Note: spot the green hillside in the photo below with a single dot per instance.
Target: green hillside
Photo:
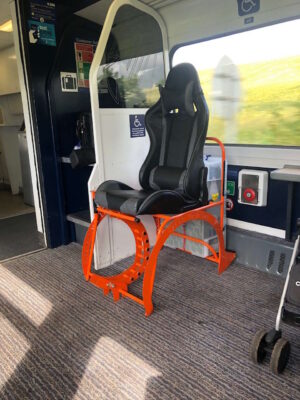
(270, 108)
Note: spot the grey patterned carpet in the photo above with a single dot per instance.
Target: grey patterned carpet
(60, 338)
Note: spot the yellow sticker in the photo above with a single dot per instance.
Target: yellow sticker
(215, 196)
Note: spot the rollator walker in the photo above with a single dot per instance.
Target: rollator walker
(174, 189)
(289, 312)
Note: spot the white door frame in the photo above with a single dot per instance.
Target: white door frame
(23, 79)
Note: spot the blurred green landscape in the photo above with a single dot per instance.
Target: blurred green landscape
(269, 111)
(270, 107)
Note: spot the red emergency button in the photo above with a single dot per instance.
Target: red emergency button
(249, 194)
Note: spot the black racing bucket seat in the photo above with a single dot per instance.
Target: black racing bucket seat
(173, 175)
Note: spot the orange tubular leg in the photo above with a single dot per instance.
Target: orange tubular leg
(117, 284)
(224, 258)
(88, 246)
(145, 263)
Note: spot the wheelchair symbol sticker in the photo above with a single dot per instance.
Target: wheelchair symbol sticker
(248, 7)
(137, 122)
(137, 125)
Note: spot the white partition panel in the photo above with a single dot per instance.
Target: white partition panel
(122, 157)
(118, 155)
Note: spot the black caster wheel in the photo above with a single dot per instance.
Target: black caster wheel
(280, 355)
(257, 351)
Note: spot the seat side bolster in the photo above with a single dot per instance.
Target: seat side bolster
(101, 192)
(113, 185)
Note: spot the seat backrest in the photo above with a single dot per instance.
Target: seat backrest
(177, 126)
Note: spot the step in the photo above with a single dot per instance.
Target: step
(80, 221)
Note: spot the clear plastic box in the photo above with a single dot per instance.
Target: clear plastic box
(200, 229)
(197, 229)
(214, 166)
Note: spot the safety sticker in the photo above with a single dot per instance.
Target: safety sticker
(84, 54)
(68, 81)
(229, 205)
(137, 125)
(230, 188)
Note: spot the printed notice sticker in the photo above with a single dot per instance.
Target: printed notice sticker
(137, 125)
(84, 54)
(69, 81)
(42, 11)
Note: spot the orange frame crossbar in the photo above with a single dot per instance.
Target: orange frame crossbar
(146, 260)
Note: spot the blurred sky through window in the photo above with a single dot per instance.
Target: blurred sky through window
(262, 44)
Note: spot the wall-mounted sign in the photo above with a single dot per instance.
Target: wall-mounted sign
(41, 26)
(84, 54)
(137, 125)
(41, 33)
(230, 188)
(246, 7)
(68, 81)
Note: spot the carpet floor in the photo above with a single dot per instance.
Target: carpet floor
(60, 338)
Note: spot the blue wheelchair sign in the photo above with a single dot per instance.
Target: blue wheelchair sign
(137, 125)
(248, 7)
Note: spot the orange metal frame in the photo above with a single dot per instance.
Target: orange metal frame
(145, 259)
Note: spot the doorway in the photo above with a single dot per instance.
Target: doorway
(18, 228)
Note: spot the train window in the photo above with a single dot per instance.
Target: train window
(133, 65)
(251, 81)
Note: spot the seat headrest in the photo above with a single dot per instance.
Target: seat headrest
(173, 99)
(182, 89)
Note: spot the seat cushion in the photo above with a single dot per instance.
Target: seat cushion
(120, 197)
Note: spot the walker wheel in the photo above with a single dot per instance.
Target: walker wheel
(280, 355)
(257, 351)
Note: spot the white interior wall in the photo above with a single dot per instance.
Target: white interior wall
(9, 81)
(12, 112)
(192, 20)
(10, 145)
